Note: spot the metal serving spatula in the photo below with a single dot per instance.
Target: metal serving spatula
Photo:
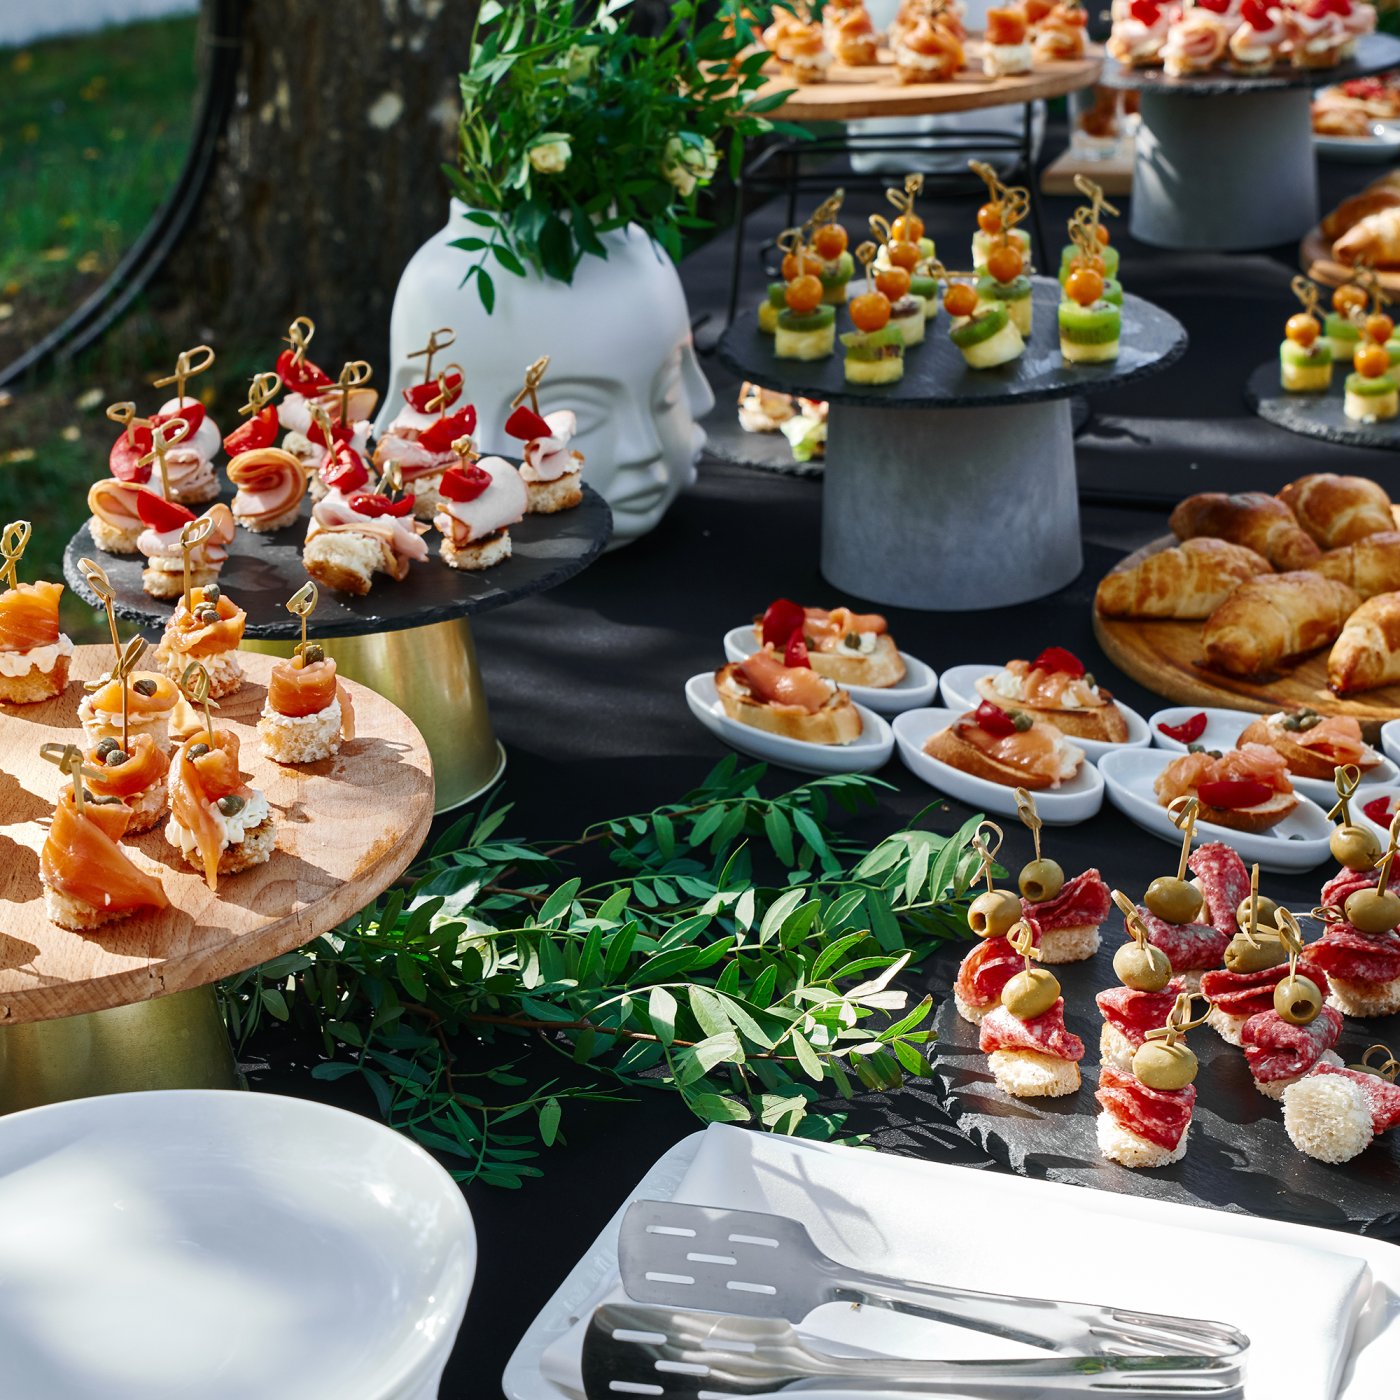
(739, 1261)
(667, 1354)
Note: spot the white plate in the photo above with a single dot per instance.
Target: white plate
(1375, 1354)
(1382, 144)
(959, 688)
(1298, 842)
(869, 752)
(1071, 802)
(917, 688)
(1390, 740)
(1222, 731)
(225, 1245)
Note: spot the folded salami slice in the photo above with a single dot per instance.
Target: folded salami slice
(1353, 956)
(1277, 1049)
(1189, 947)
(1249, 993)
(1135, 1013)
(1347, 882)
(1160, 1116)
(1083, 902)
(1224, 884)
(988, 967)
(1382, 1097)
(1045, 1034)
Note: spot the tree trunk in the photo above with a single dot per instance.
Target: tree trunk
(327, 176)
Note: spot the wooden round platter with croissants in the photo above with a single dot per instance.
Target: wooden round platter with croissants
(1265, 603)
(1365, 227)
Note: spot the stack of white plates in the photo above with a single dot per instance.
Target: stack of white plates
(229, 1246)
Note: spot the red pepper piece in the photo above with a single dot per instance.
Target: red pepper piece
(345, 472)
(1234, 793)
(258, 432)
(1059, 661)
(304, 378)
(796, 653)
(1188, 731)
(464, 483)
(994, 719)
(161, 515)
(192, 413)
(340, 434)
(1145, 11)
(375, 504)
(442, 434)
(781, 620)
(419, 396)
(526, 425)
(1379, 810)
(124, 458)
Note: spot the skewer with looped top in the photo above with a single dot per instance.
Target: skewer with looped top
(1013, 202)
(1030, 817)
(826, 212)
(97, 580)
(438, 340)
(1307, 293)
(1298, 1000)
(301, 605)
(534, 377)
(1368, 279)
(13, 543)
(1250, 930)
(1182, 812)
(320, 415)
(1178, 1020)
(986, 851)
(791, 241)
(1133, 921)
(164, 436)
(465, 448)
(1387, 1069)
(354, 374)
(123, 668)
(902, 200)
(391, 478)
(194, 681)
(191, 537)
(126, 415)
(69, 760)
(1093, 192)
(262, 389)
(186, 367)
(299, 335)
(1022, 940)
(443, 397)
(1346, 779)
(866, 253)
(1387, 859)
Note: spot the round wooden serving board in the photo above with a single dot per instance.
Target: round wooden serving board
(1163, 656)
(346, 828)
(852, 94)
(1315, 258)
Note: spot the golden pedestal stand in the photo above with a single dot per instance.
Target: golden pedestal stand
(131, 1005)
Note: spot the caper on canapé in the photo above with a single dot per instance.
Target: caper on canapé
(232, 805)
(993, 913)
(145, 686)
(1142, 966)
(1354, 847)
(1166, 1067)
(105, 746)
(196, 750)
(1030, 993)
(313, 654)
(1373, 911)
(1298, 1000)
(1172, 900)
(115, 757)
(1041, 879)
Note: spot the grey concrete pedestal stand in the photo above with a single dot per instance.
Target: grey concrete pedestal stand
(954, 490)
(1226, 161)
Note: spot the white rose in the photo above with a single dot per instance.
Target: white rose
(687, 164)
(579, 62)
(551, 156)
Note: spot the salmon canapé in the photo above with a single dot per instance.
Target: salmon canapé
(29, 616)
(145, 765)
(772, 683)
(82, 861)
(204, 774)
(193, 634)
(298, 688)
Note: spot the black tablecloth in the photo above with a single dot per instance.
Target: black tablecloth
(586, 690)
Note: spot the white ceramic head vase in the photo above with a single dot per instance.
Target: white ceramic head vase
(621, 356)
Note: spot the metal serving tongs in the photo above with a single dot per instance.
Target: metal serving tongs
(676, 1257)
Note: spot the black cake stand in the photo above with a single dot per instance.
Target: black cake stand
(1316, 415)
(1226, 161)
(965, 498)
(410, 641)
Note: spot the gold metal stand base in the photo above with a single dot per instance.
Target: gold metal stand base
(431, 674)
(173, 1042)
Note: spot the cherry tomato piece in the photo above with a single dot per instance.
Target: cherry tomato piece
(994, 719)
(1234, 793)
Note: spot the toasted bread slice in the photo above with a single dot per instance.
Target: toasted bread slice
(1252, 819)
(835, 723)
(1302, 762)
(1104, 723)
(956, 752)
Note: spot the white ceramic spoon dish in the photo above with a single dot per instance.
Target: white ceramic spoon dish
(1222, 731)
(958, 686)
(1071, 802)
(1298, 842)
(918, 687)
(865, 754)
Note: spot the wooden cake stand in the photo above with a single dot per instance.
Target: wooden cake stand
(1165, 657)
(1226, 161)
(131, 1005)
(954, 490)
(410, 641)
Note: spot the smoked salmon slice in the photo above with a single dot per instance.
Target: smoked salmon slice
(29, 616)
(146, 767)
(297, 689)
(81, 859)
(199, 782)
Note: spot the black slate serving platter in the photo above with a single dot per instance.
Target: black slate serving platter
(263, 571)
(1239, 1156)
(936, 375)
(1316, 415)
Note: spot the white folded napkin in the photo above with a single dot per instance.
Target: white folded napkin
(906, 1218)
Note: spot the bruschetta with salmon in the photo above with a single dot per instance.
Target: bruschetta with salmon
(1313, 746)
(783, 694)
(848, 647)
(1246, 789)
(1007, 747)
(150, 701)
(1057, 687)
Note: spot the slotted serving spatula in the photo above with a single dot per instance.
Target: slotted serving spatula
(766, 1266)
(669, 1354)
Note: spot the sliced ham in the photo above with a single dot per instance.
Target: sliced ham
(1135, 1013)
(1083, 901)
(1277, 1049)
(1159, 1116)
(1045, 1034)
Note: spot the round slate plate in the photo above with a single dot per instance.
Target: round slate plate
(1239, 1156)
(263, 571)
(1374, 53)
(1315, 415)
(936, 375)
(765, 452)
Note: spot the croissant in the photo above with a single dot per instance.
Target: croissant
(1351, 211)
(1369, 566)
(1252, 518)
(1338, 510)
(1367, 654)
(1374, 239)
(1274, 617)
(1191, 580)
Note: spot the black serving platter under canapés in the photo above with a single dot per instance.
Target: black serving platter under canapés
(1317, 415)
